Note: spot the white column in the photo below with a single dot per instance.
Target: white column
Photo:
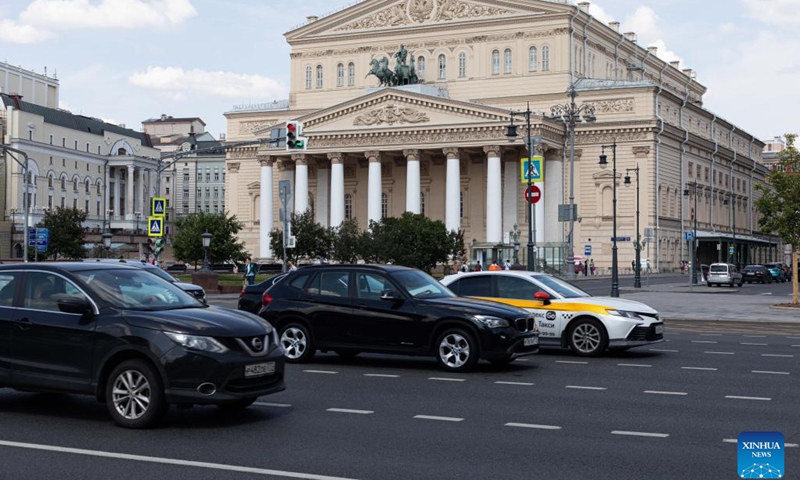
(554, 176)
(337, 189)
(130, 194)
(511, 197)
(265, 206)
(117, 189)
(494, 195)
(452, 209)
(106, 192)
(300, 183)
(141, 194)
(412, 181)
(374, 188)
(538, 211)
(323, 194)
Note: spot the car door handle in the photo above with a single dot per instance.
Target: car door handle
(23, 323)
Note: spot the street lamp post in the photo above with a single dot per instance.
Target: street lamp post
(732, 257)
(530, 145)
(614, 259)
(138, 215)
(25, 205)
(637, 275)
(107, 236)
(206, 243)
(571, 114)
(693, 186)
(514, 234)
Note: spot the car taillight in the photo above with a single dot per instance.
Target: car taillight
(242, 292)
(265, 299)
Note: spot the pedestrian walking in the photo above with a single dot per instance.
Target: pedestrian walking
(506, 265)
(249, 274)
(591, 266)
(290, 266)
(586, 268)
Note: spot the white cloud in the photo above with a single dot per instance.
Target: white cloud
(665, 54)
(777, 12)
(728, 28)
(64, 105)
(13, 32)
(599, 14)
(644, 21)
(178, 83)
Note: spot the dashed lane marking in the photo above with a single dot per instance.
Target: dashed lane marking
(707, 369)
(710, 334)
(524, 384)
(381, 375)
(633, 365)
(793, 338)
(533, 425)
(446, 379)
(347, 410)
(663, 350)
(656, 392)
(776, 355)
(327, 372)
(704, 341)
(754, 336)
(769, 373)
(170, 461)
(671, 333)
(572, 362)
(754, 344)
(737, 397)
(720, 353)
(640, 434)
(276, 405)
(579, 387)
(441, 419)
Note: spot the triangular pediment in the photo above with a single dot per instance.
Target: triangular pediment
(383, 15)
(391, 109)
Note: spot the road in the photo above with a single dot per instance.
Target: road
(661, 412)
(601, 286)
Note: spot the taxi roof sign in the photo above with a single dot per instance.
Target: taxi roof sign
(158, 207)
(155, 227)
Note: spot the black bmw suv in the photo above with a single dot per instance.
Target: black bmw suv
(391, 309)
(131, 339)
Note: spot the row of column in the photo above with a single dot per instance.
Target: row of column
(137, 191)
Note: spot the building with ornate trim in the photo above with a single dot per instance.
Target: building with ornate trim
(440, 147)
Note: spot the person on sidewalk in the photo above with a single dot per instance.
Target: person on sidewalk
(249, 272)
(494, 266)
(591, 266)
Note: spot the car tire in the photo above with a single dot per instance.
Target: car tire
(457, 351)
(238, 404)
(149, 403)
(298, 346)
(587, 338)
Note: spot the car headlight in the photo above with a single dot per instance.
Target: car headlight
(491, 322)
(194, 342)
(624, 313)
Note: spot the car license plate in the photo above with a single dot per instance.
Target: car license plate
(530, 341)
(259, 369)
(659, 329)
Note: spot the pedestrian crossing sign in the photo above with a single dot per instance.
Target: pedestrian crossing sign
(158, 207)
(155, 226)
(531, 170)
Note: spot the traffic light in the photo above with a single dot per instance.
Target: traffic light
(159, 247)
(295, 141)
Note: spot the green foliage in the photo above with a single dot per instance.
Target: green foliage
(66, 233)
(345, 242)
(312, 240)
(188, 244)
(780, 202)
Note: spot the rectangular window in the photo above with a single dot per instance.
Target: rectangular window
(86, 206)
(76, 144)
(87, 147)
(216, 176)
(199, 176)
(185, 177)
(51, 139)
(97, 211)
(51, 161)
(208, 177)
(75, 203)
(216, 192)
(185, 193)
(167, 188)
(64, 142)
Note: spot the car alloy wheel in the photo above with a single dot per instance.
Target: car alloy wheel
(134, 395)
(297, 344)
(587, 338)
(456, 351)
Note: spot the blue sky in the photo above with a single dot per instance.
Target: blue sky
(129, 60)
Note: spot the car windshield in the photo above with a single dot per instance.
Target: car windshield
(135, 289)
(752, 267)
(421, 285)
(560, 287)
(161, 274)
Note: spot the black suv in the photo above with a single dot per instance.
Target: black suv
(131, 339)
(391, 309)
(756, 273)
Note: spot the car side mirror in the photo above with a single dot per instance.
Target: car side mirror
(390, 295)
(543, 296)
(75, 304)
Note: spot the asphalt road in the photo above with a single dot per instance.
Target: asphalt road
(661, 412)
(601, 286)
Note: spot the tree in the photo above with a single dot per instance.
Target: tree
(780, 204)
(413, 240)
(345, 242)
(66, 232)
(312, 240)
(187, 244)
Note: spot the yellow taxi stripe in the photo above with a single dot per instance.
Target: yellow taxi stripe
(555, 305)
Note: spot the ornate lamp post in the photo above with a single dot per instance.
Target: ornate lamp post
(693, 186)
(206, 243)
(107, 236)
(637, 244)
(514, 234)
(530, 144)
(614, 259)
(138, 215)
(571, 114)
(25, 207)
(732, 256)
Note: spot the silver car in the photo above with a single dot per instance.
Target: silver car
(724, 274)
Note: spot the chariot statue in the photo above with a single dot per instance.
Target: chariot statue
(404, 70)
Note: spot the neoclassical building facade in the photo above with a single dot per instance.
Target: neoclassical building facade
(440, 147)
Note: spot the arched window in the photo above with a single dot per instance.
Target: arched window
(340, 75)
(87, 186)
(351, 74)
(348, 207)
(421, 67)
(507, 61)
(384, 205)
(74, 184)
(462, 65)
(63, 183)
(308, 78)
(532, 60)
(422, 203)
(50, 181)
(319, 76)
(545, 58)
(442, 66)
(495, 62)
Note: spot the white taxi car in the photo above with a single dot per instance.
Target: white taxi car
(567, 316)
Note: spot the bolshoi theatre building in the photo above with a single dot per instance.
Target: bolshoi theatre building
(432, 137)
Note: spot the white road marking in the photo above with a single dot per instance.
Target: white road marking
(776, 355)
(671, 333)
(754, 336)
(578, 387)
(700, 368)
(381, 375)
(793, 338)
(522, 360)
(640, 434)
(710, 334)
(734, 440)
(347, 410)
(524, 384)
(656, 392)
(170, 461)
(442, 419)
(736, 397)
(704, 341)
(754, 344)
(633, 365)
(328, 372)
(769, 373)
(572, 362)
(533, 425)
(720, 353)
(277, 405)
(663, 350)
(445, 379)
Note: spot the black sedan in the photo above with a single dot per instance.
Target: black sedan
(129, 338)
(756, 273)
(251, 297)
(390, 309)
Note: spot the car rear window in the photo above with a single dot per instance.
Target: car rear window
(299, 281)
(475, 286)
(719, 269)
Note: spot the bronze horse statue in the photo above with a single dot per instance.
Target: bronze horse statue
(380, 68)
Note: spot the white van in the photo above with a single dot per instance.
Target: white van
(724, 274)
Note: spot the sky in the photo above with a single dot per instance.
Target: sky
(125, 61)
